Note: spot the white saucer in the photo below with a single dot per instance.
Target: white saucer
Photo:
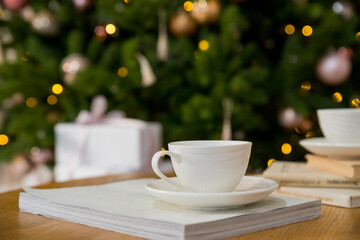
(322, 146)
(249, 190)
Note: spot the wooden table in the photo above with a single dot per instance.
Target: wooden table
(335, 222)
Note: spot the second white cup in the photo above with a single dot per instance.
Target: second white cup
(206, 165)
(340, 125)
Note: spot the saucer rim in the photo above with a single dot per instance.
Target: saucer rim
(272, 186)
(323, 142)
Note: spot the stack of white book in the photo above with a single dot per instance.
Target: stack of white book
(128, 208)
(333, 181)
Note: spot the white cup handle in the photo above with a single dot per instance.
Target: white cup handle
(155, 166)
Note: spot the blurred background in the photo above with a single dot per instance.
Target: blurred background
(208, 69)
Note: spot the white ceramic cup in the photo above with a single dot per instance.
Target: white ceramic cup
(206, 166)
(340, 125)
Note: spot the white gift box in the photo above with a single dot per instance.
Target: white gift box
(90, 150)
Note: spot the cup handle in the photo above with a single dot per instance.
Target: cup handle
(155, 166)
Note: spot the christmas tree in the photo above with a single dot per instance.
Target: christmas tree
(238, 69)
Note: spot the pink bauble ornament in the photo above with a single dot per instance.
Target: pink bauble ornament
(82, 5)
(100, 32)
(15, 5)
(335, 67)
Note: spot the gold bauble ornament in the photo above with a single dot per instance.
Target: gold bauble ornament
(182, 25)
(206, 11)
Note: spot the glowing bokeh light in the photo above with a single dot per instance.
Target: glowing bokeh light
(52, 100)
(110, 29)
(289, 29)
(188, 6)
(357, 36)
(163, 149)
(286, 148)
(355, 103)
(196, 55)
(298, 129)
(31, 102)
(307, 30)
(122, 72)
(3, 139)
(204, 45)
(270, 162)
(309, 134)
(337, 97)
(57, 88)
(306, 86)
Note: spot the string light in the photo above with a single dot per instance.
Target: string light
(355, 103)
(196, 55)
(4, 139)
(188, 6)
(286, 148)
(31, 102)
(52, 117)
(25, 57)
(337, 97)
(270, 162)
(57, 88)
(163, 149)
(289, 29)
(306, 86)
(204, 45)
(307, 30)
(110, 29)
(357, 36)
(309, 134)
(298, 129)
(52, 100)
(122, 72)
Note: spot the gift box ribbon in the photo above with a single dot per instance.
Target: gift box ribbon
(98, 115)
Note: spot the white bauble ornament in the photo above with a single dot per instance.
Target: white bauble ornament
(343, 8)
(71, 65)
(28, 13)
(45, 23)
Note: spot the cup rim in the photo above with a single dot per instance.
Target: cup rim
(327, 110)
(210, 145)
